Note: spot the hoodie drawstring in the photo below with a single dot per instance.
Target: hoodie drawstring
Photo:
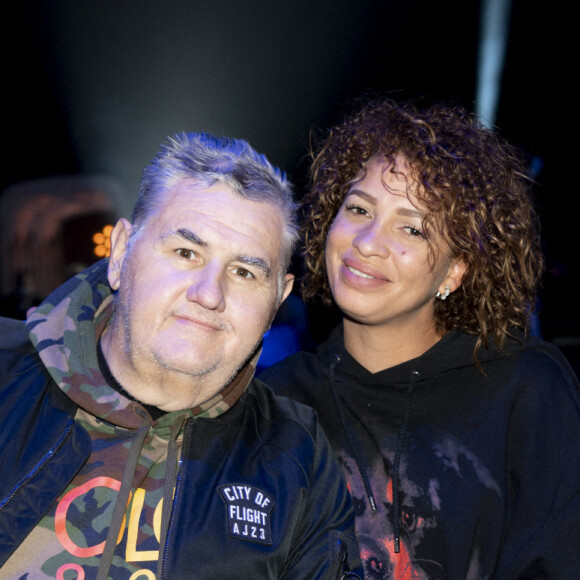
(402, 435)
(397, 512)
(350, 435)
(122, 500)
(125, 490)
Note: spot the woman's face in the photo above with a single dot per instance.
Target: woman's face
(378, 260)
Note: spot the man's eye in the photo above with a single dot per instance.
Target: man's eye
(185, 253)
(243, 273)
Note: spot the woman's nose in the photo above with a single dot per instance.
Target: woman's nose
(372, 240)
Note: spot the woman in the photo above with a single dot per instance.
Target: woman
(459, 433)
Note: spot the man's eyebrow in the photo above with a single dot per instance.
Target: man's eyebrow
(258, 263)
(186, 234)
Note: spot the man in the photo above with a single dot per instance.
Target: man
(135, 443)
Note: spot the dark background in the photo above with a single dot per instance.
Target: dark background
(92, 88)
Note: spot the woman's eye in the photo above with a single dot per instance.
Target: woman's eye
(356, 209)
(185, 253)
(414, 232)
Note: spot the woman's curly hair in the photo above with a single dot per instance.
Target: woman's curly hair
(472, 185)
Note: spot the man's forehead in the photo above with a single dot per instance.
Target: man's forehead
(199, 191)
(190, 204)
(217, 210)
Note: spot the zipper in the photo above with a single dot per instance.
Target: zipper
(343, 572)
(40, 465)
(171, 520)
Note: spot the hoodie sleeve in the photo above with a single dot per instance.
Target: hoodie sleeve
(542, 535)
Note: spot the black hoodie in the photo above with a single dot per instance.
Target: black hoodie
(456, 471)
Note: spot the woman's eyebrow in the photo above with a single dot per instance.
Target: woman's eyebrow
(364, 194)
(404, 211)
(408, 212)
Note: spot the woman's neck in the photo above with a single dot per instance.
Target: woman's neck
(378, 347)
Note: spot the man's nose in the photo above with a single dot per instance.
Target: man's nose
(207, 288)
(372, 240)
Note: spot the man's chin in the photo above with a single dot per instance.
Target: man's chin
(195, 369)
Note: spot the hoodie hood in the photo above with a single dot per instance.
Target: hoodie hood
(65, 329)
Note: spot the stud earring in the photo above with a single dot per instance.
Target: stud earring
(445, 294)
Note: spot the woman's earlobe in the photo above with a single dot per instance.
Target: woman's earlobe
(443, 295)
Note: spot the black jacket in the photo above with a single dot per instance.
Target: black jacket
(268, 444)
(475, 473)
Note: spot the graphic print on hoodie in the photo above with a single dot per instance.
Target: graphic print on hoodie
(420, 555)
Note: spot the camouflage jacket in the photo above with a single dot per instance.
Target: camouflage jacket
(257, 492)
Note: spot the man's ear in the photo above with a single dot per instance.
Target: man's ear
(288, 285)
(119, 244)
(455, 274)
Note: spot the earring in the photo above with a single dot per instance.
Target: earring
(445, 294)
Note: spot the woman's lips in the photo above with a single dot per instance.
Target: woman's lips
(359, 274)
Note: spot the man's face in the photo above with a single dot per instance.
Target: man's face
(198, 287)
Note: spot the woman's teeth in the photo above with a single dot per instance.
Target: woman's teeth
(359, 273)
